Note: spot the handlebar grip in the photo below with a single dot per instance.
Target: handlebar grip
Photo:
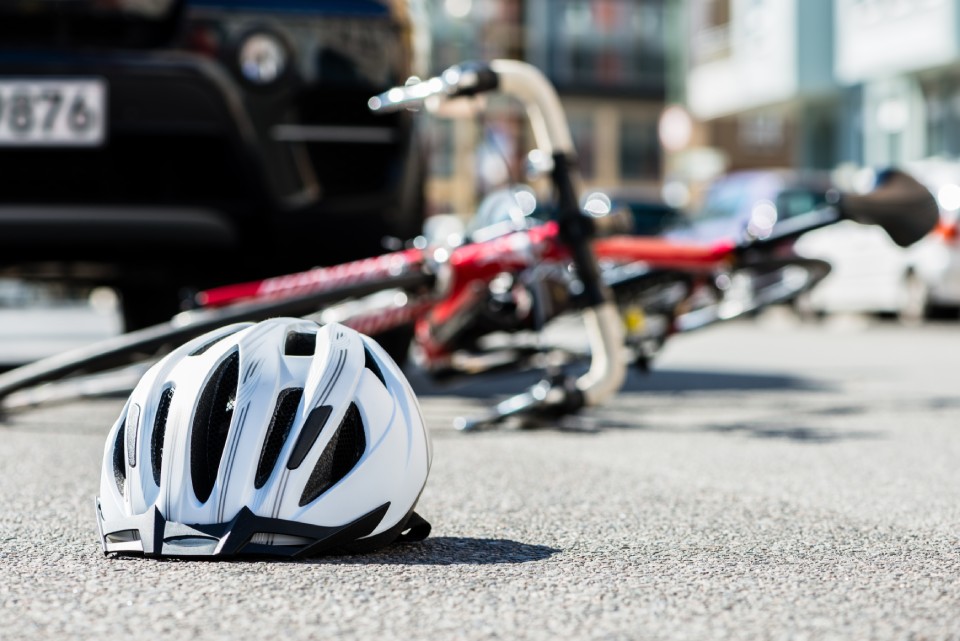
(905, 209)
(470, 79)
(465, 79)
(400, 98)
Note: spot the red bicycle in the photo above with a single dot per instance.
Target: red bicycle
(519, 277)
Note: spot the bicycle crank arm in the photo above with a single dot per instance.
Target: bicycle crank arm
(546, 399)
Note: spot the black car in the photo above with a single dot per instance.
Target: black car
(160, 145)
(650, 215)
(646, 212)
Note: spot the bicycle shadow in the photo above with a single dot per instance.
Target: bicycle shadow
(449, 550)
(757, 428)
(796, 433)
(672, 381)
(642, 392)
(690, 380)
(439, 550)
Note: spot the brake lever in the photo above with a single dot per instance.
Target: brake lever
(550, 398)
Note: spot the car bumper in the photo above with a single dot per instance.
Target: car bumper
(941, 271)
(190, 161)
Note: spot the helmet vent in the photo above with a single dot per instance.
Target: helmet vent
(203, 348)
(300, 344)
(287, 403)
(211, 424)
(159, 431)
(371, 364)
(119, 463)
(339, 456)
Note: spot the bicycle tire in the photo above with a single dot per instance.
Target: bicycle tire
(776, 286)
(110, 383)
(126, 348)
(637, 283)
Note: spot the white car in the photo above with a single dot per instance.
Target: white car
(873, 275)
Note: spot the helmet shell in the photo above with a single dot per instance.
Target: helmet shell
(281, 437)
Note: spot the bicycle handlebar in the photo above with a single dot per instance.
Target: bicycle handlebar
(466, 79)
(905, 209)
(899, 204)
(551, 132)
(514, 78)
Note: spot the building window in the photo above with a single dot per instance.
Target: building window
(718, 12)
(710, 29)
(442, 150)
(581, 128)
(761, 133)
(941, 97)
(616, 44)
(639, 150)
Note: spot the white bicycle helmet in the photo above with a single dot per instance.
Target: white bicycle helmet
(280, 438)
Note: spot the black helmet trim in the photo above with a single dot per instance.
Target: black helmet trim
(150, 534)
(409, 529)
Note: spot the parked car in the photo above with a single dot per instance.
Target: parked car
(871, 274)
(751, 202)
(650, 215)
(171, 144)
(643, 209)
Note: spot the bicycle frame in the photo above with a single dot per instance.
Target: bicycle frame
(440, 284)
(468, 268)
(463, 274)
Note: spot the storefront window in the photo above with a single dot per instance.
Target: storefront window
(941, 96)
(639, 150)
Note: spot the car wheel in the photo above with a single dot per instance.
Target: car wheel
(915, 307)
(943, 312)
(396, 343)
(804, 309)
(146, 305)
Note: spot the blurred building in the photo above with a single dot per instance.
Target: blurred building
(469, 30)
(759, 77)
(905, 59)
(822, 83)
(607, 60)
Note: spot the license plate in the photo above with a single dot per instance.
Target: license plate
(53, 112)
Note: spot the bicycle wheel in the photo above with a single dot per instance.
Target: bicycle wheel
(648, 299)
(751, 287)
(149, 342)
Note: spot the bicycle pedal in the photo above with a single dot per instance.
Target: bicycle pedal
(549, 399)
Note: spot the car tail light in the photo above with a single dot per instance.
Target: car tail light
(947, 231)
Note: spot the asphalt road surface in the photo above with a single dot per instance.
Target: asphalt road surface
(767, 482)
